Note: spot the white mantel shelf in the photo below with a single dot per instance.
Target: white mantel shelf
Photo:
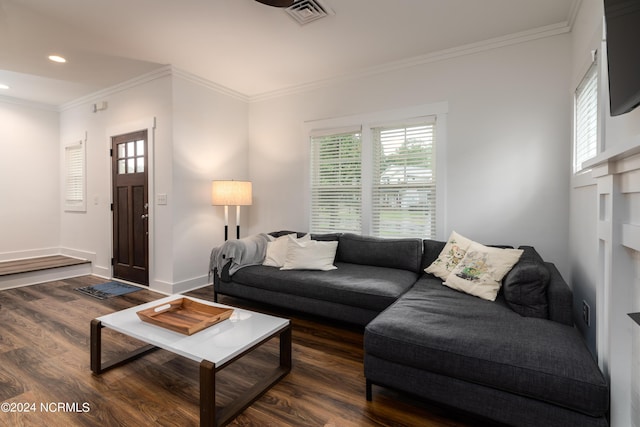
(615, 153)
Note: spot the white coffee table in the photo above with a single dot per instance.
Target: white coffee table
(214, 348)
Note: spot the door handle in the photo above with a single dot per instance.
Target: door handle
(144, 216)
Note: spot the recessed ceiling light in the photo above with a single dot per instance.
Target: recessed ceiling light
(57, 58)
(3, 86)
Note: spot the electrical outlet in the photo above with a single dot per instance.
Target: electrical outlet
(586, 313)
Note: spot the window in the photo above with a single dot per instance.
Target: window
(376, 180)
(336, 182)
(403, 191)
(74, 157)
(586, 119)
(130, 157)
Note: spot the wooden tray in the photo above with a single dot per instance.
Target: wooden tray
(184, 315)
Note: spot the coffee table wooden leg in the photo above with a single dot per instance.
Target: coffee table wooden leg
(207, 394)
(210, 415)
(285, 349)
(97, 367)
(96, 346)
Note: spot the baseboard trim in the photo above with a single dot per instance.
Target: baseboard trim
(179, 287)
(31, 253)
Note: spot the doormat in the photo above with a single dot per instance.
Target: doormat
(107, 290)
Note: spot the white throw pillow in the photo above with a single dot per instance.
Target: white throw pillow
(481, 270)
(277, 249)
(310, 255)
(451, 254)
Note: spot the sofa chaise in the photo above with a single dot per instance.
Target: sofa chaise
(484, 357)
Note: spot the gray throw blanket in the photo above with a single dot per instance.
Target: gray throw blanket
(241, 253)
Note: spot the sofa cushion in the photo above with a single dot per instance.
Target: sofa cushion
(431, 251)
(437, 329)
(402, 254)
(452, 253)
(370, 287)
(277, 249)
(310, 255)
(481, 270)
(525, 286)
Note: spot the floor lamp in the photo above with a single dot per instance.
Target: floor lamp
(231, 193)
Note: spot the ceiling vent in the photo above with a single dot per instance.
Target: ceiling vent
(305, 11)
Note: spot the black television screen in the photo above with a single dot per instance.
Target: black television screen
(622, 19)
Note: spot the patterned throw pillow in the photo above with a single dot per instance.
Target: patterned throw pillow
(481, 270)
(453, 252)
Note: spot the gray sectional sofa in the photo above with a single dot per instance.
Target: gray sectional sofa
(517, 360)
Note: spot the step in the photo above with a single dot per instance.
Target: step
(30, 271)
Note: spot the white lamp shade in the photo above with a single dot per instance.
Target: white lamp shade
(231, 193)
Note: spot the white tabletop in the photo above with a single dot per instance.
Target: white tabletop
(218, 343)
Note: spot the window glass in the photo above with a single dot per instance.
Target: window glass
(74, 193)
(336, 183)
(586, 119)
(403, 192)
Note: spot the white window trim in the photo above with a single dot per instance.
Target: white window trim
(583, 177)
(75, 205)
(368, 121)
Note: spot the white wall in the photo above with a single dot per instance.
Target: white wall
(131, 109)
(29, 186)
(200, 134)
(507, 148)
(210, 142)
(583, 240)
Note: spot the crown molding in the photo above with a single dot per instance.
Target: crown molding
(468, 49)
(163, 71)
(574, 9)
(185, 75)
(27, 103)
(446, 54)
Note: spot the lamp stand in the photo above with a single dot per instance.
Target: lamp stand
(238, 222)
(226, 223)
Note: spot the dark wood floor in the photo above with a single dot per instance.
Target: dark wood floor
(45, 375)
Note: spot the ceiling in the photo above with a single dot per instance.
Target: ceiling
(242, 45)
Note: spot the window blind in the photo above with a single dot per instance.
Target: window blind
(586, 119)
(404, 182)
(336, 182)
(74, 180)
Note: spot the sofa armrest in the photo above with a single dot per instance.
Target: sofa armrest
(560, 297)
(224, 273)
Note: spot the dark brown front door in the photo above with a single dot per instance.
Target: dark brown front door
(130, 207)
